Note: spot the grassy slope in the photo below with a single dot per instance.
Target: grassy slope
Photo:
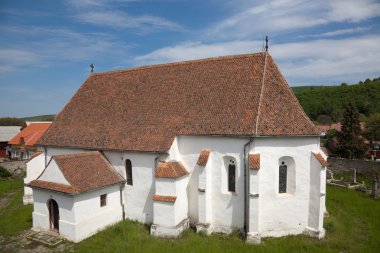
(353, 226)
(40, 118)
(15, 217)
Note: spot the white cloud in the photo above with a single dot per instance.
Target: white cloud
(310, 61)
(117, 19)
(280, 16)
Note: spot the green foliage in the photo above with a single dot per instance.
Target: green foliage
(350, 144)
(331, 100)
(372, 127)
(4, 172)
(14, 217)
(11, 122)
(50, 117)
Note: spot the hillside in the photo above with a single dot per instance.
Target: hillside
(323, 103)
(8, 121)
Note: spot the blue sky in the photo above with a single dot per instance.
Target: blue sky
(46, 47)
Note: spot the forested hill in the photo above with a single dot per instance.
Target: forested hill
(327, 103)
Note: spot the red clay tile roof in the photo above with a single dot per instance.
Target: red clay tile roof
(84, 171)
(203, 157)
(143, 108)
(31, 134)
(320, 159)
(36, 154)
(164, 198)
(170, 170)
(254, 161)
(53, 186)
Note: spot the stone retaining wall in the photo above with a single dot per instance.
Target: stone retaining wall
(16, 168)
(364, 167)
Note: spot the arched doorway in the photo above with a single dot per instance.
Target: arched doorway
(53, 215)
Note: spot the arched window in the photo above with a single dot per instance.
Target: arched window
(231, 175)
(286, 175)
(128, 172)
(283, 173)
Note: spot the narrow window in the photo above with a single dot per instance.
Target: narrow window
(128, 172)
(282, 177)
(231, 176)
(103, 200)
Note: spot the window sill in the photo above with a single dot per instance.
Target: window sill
(285, 195)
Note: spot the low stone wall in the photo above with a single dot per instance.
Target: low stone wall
(16, 168)
(364, 167)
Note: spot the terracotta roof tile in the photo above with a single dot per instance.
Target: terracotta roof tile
(36, 154)
(164, 198)
(150, 105)
(170, 170)
(31, 134)
(254, 161)
(53, 186)
(320, 159)
(84, 171)
(203, 157)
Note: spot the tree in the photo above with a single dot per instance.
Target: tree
(350, 143)
(372, 127)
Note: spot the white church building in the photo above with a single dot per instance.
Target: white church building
(219, 144)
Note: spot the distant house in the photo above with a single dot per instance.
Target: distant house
(6, 134)
(22, 146)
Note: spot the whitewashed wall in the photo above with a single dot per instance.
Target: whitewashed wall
(137, 197)
(34, 168)
(227, 209)
(286, 213)
(80, 216)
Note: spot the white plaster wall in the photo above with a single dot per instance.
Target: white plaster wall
(227, 209)
(282, 214)
(53, 174)
(50, 151)
(80, 216)
(181, 203)
(164, 214)
(137, 197)
(166, 186)
(34, 168)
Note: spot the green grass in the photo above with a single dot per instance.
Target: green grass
(15, 217)
(353, 226)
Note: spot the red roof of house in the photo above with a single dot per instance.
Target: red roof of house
(144, 108)
(31, 134)
(84, 171)
(254, 161)
(203, 157)
(170, 170)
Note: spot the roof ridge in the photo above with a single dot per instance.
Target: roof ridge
(169, 64)
(81, 154)
(261, 93)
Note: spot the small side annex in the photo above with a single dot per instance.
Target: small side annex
(77, 195)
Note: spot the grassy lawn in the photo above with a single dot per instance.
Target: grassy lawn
(353, 226)
(14, 216)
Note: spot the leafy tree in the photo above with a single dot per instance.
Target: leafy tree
(11, 122)
(350, 144)
(372, 127)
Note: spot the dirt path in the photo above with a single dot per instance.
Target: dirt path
(23, 244)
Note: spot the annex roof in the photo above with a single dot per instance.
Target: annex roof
(144, 108)
(320, 159)
(84, 171)
(8, 132)
(31, 133)
(203, 157)
(254, 161)
(170, 170)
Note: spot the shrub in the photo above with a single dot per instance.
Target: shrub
(4, 172)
